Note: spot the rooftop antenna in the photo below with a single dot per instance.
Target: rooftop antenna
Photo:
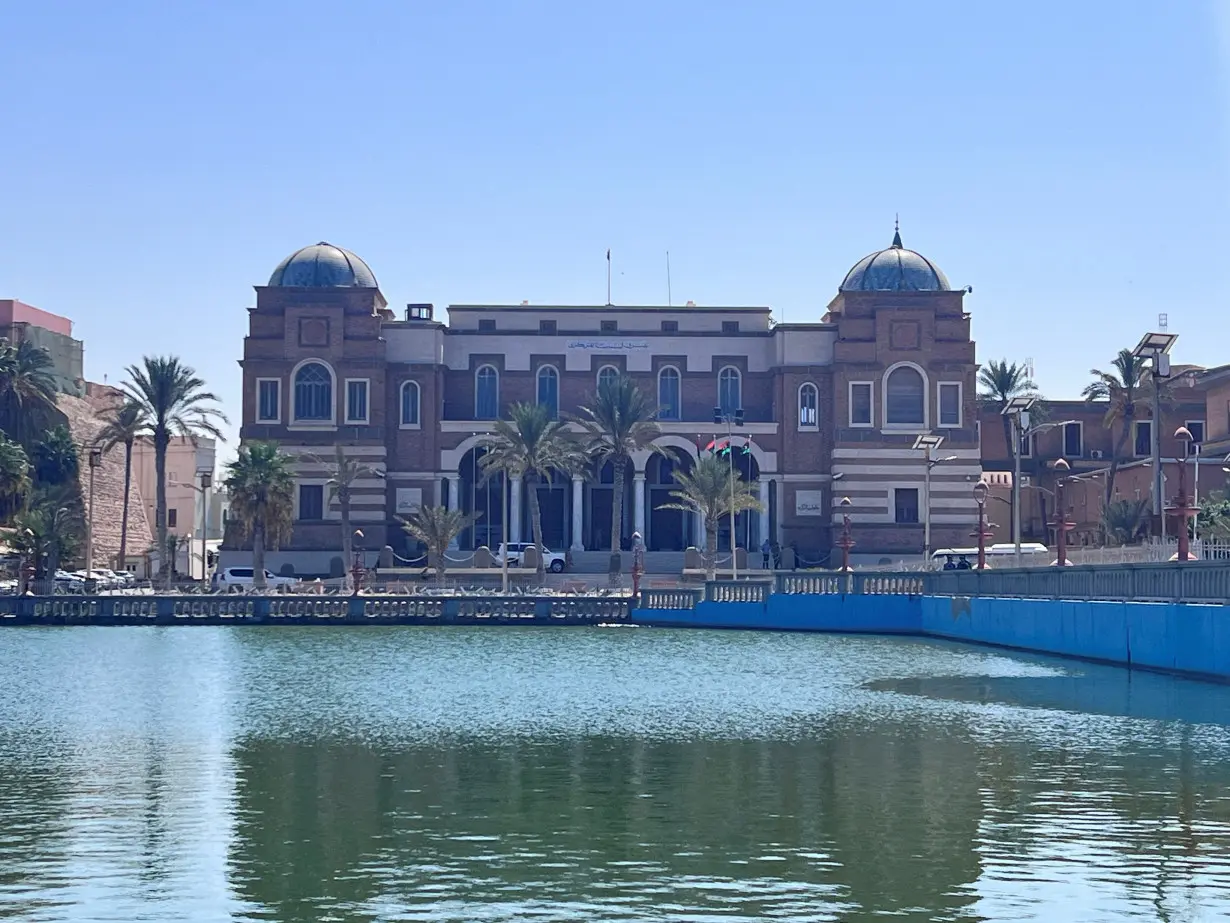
(668, 279)
(608, 275)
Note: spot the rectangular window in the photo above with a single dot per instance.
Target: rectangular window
(546, 326)
(172, 517)
(1196, 428)
(860, 403)
(268, 400)
(670, 326)
(486, 324)
(950, 403)
(905, 503)
(609, 326)
(311, 501)
(356, 400)
(1142, 440)
(1027, 447)
(730, 326)
(1073, 440)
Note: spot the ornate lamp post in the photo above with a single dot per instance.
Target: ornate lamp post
(95, 460)
(983, 532)
(1183, 507)
(731, 418)
(356, 569)
(845, 542)
(1061, 523)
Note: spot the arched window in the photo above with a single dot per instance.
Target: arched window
(313, 392)
(905, 397)
(486, 393)
(410, 404)
(668, 393)
(548, 389)
(608, 374)
(730, 390)
(809, 400)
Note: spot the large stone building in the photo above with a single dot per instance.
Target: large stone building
(326, 363)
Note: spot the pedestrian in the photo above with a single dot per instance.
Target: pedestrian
(766, 552)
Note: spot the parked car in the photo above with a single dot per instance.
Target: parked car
(227, 577)
(68, 583)
(554, 561)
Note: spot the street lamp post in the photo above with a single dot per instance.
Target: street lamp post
(731, 419)
(845, 542)
(1183, 507)
(1156, 348)
(356, 569)
(983, 532)
(1017, 410)
(95, 460)
(207, 481)
(1061, 524)
(928, 443)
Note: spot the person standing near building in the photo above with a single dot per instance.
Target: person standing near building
(766, 552)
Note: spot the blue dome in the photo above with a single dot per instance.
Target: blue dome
(895, 270)
(323, 266)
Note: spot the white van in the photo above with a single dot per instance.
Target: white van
(243, 577)
(1032, 553)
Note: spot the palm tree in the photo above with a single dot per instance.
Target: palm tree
(709, 491)
(436, 527)
(173, 402)
(343, 472)
(621, 420)
(14, 478)
(55, 457)
(1001, 381)
(262, 491)
(122, 424)
(50, 530)
(27, 391)
(1125, 521)
(531, 445)
(1123, 389)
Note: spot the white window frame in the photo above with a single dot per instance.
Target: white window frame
(1204, 426)
(871, 404)
(538, 381)
(1064, 444)
(477, 372)
(892, 507)
(939, 404)
(603, 368)
(679, 396)
(738, 379)
(367, 402)
(1136, 424)
(401, 404)
(925, 425)
(1029, 442)
(808, 427)
(323, 484)
(294, 423)
(276, 418)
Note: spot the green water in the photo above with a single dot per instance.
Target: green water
(199, 774)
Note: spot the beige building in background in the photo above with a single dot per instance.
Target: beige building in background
(185, 462)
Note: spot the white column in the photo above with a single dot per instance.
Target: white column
(779, 489)
(438, 492)
(578, 515)
(514, 517)
(763, 532)
(454, 501)
(638, 503)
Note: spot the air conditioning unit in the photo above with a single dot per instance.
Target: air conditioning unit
(1096, 454)
(1026, 480)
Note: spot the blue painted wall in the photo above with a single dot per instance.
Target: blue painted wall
(1193, 639)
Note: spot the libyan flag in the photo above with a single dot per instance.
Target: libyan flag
(724, 446)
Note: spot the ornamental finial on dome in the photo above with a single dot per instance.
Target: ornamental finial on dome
(897, 245)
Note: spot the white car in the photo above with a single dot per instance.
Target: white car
(554, 561)
(227, 577)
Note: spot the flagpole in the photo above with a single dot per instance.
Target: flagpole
(608, 275)
(668, 279)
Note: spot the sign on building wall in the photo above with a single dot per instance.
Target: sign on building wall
(809, 503)
(608, 346)
(409, 500)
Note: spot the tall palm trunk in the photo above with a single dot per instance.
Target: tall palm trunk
(617, 506)
(1129, 414)
(711, 536)
(531, 484)
(343, 499)
(162, 440)
(258, 555)
(123, 565)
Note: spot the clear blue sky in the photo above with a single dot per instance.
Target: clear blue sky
(1068, 160)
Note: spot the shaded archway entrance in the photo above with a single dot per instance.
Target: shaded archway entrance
(746, 468)
(555, 507)
(601, 497)
(669, 530)
(484, 498)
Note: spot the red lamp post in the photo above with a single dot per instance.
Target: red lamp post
(1183, 507)
(844, 541)
(983, 532)
(1061, 524)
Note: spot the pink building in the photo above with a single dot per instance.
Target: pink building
(23, 323)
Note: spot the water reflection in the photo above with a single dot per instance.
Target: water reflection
(491, 775)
